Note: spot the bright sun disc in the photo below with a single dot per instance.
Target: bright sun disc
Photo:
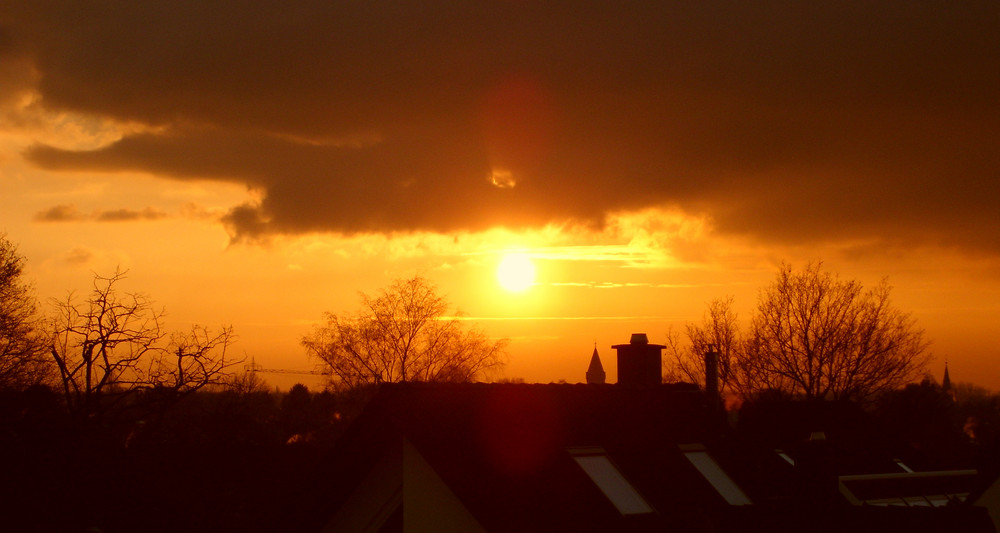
(516, 272)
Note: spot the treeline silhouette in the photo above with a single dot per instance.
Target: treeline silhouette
(922, 425)
(216, 460)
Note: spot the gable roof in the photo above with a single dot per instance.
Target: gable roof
(510, 455)
(513, 443)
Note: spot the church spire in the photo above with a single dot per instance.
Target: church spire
(946, 384)
(596, 374)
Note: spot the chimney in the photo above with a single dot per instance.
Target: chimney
(712, 377)
(639, 362)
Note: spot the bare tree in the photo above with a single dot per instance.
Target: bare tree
(111, 345)
(403, 335)
(816, 336)
(193, 360)
(22, 346)
(246, 383)
(719, 330)
(98, 344)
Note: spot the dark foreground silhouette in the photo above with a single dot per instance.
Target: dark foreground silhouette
(261, 461)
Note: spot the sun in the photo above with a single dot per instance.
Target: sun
(516, 272)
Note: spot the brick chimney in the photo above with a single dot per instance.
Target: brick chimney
(639, 362)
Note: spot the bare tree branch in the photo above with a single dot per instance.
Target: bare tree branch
(817, 336)
(110, 346)
(191, 361)
(719, 328)
(812, 335)
(97, 344)
(403, 335)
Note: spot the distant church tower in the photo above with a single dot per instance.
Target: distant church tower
(595, 374)
(946, 383)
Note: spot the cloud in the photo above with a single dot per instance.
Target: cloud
(195, 211)
(784, 123)
(60, 213)
(129, 215)
(78, 256)
(632, 285)
(69, 213)
(97, 260)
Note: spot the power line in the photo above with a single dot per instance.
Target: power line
(254, 367)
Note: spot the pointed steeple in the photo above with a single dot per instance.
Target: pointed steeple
(596, 374)
(946, 384)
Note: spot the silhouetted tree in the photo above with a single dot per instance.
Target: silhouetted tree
(925, 417)
(818, 337)
(99, 343)
(192, 360)
(109, 346)
(719, 329)
(812, 336)
(403, 334)
(246, 382)
(978, 412)
(22, 347)
(296, 412)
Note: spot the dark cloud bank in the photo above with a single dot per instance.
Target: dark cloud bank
(788, 121)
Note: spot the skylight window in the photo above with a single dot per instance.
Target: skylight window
(909, 489)
(788, 458)
(596, 463)
(715, 475)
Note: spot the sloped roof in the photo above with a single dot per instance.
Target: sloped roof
(505, 452)
(504, 449)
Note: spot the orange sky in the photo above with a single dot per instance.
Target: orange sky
(261, 169)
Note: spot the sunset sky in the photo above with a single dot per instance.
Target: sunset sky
(258, 163)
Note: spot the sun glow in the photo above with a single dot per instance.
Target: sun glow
(516, 272)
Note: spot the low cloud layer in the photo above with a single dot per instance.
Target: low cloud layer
(784, 122)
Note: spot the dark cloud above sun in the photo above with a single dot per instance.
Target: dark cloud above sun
(783, 121)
